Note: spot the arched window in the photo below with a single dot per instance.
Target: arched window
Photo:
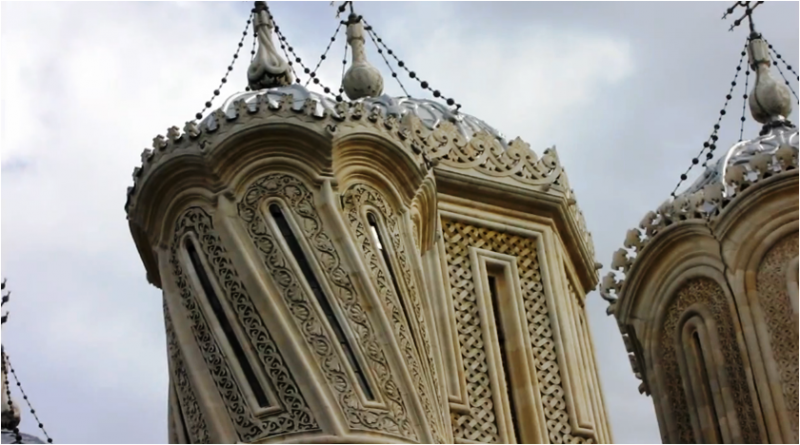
(319, 295)
(218, 312)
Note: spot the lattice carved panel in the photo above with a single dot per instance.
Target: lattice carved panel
(300, 202)
(295, 415)
(354, 199)
(480, 424)
(192, 415)
(710, 294)
(773, 296)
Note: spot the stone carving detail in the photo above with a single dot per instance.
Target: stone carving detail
(480, 425)
(295, 415)
(354, 198)
(705, 200)
(779, 318)
(709, 293)
(192, 415)
(300, 201)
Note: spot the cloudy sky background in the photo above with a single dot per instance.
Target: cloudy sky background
(627, 91)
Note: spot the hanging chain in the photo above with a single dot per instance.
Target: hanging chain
(394, 74)
(344, 65)
(9, 367)
(15, 430)
(224, 80)
(424, 84)
(744, 104)
(748, 13)
(774, 55)
(710, 143)
(285, 45)
(313, 74)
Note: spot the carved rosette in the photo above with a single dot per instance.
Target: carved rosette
(423, 372)
(294, 415)
(300, 200)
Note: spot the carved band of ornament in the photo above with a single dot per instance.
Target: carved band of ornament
(480, 424)
(192, 415)
(354, 199)
(482, 152)
(300, 202)
(295, 415)
(706, 203)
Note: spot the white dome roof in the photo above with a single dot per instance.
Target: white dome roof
(430, 112)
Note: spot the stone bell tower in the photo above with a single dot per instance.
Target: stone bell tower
(379, 270)
(708, 304)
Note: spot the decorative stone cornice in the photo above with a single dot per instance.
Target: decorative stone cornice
(433, 141)
(707, 204)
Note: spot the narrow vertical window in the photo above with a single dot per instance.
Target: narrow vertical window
(316, 289)
(501, 340)
(376, 232)
(219, 313)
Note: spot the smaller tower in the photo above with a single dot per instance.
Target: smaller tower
(708, 304)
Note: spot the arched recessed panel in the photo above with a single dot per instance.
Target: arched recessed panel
(780, 317)
(671, 383)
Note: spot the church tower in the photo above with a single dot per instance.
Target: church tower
(708, 301)
(378, 269)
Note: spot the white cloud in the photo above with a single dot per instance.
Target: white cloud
(87, 86)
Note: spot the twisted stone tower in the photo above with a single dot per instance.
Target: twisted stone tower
(383, 270)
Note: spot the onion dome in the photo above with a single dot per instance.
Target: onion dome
(774, 152)
(362, 79)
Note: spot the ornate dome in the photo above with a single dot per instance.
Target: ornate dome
(430, 112)
(737, 165)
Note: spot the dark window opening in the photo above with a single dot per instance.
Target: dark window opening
(373, 224)
(501, 339)
(316, 289)
(230, 335)
(706, 382)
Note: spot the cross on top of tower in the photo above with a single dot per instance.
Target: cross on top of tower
(749, 6)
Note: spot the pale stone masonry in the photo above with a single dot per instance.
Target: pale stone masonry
(387, 270)
(708, 303)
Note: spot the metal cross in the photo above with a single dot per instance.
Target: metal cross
(748, 13)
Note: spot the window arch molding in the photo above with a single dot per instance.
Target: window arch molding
(704, 377)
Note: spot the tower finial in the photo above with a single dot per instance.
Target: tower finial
(362, 79)
(268, 69)
(770, 100)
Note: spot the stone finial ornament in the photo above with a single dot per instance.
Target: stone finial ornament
(268, 69)
(362, 79)
(770, 100)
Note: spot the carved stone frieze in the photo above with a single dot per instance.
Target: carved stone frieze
(708, 293)
(480, 424)
(294, 415)
(353, 200)
(300, 201)
(780, 319)
(192, 415)
(706, 203)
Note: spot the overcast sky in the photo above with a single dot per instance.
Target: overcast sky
(627, 92)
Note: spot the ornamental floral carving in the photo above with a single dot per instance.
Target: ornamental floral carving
(295, 416)
(354, 199)
(300, 201)
(192, 416)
